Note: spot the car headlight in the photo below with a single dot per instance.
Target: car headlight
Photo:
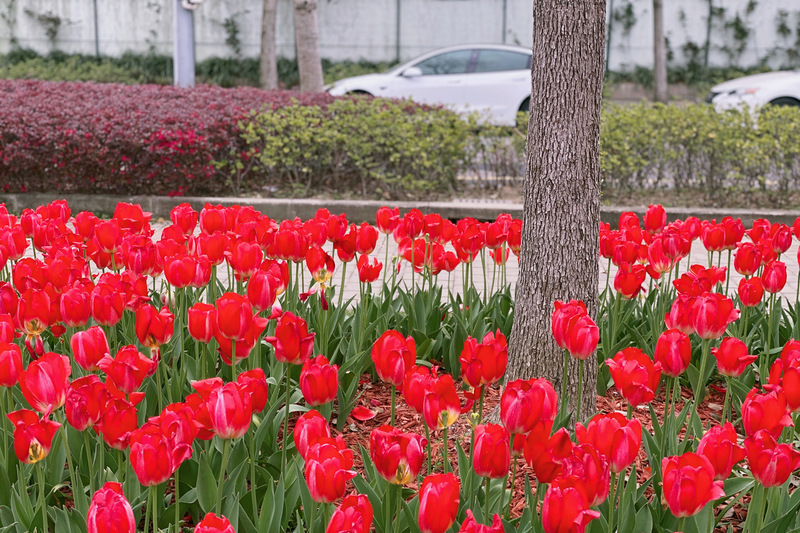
(745, 91)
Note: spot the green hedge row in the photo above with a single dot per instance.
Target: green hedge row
(131, 68)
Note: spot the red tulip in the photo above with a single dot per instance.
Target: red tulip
(673, 352)
(765, 411)
(153, 457)
(368, 271)
(566, 510)
(679, 315)
(255, 383)
(75, 306)
(441, 405)
(614, 436)
(107, 305)
(44, 383)
(7, 332)
(33, 312)
(588, 469)
(774, 276)
(309, 429)
(545, 453)
(582, 337)
(212, 523)
(154, 328)
(89, 347)
(732, 357)
(628, 280)
(366, 239)
(202, 320)
(128, 368)
(492, 455)
(387, 219)
(10, 364)
(419, 379)
(244, 345)
(290, 244)
(635, 375)
(689, 483)
(244, 258)
(85, 402)
(747, 259)
(397, 456)
(292, 341)
(212, 246)
(525, 403)
(393, 355)
(319, 381)
(711, 314)
(560, 319)
(770, 463)
(184, 217)
(110, 512)
(470, 525)
(262, 289)
(484, 363)
(328, 468)
(751, 291)
(713, 237)
(230, 407)
(33, 437)
(719, 446)
(438, 502)
(234, 316)
(354, 515)
(118, 421)
(655, 218)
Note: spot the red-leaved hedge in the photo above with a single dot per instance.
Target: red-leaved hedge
(120, 139)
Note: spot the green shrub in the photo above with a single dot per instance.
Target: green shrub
(366, 146)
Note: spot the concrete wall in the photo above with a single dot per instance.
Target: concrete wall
(356, 29)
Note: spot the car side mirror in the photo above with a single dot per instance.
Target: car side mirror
(412, 72)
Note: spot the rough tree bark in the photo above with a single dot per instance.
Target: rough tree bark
(558, 260)
(267, 62)
(305, 33)
(659, 54)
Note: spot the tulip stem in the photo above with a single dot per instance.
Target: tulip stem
(480, 404)
(178, 500)
(40, 476)
(385, 258)
(513, 478)
(699, 388)
(580, 390)
(147, 506)
(394, 393)
(611, 503)
(154, 497)
(253, 472)
(681, 520)
(4, 399)
(233, 360)
(158, 386)
(486, 503)
(564, 383)
(428, 446)
(444, 451)
(226, 448)
(726, 404)
(769, 338)
(285, 442)
(88, 448)
(341, 285)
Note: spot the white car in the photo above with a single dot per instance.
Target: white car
(492, 80)
(776, 88)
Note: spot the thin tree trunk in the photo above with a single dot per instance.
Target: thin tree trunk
(268, 63)
(558, 260)
(659, 53)
(305, 31)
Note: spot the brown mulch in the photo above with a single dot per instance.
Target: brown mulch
(377, 397)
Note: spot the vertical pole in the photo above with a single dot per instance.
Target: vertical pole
(397, 32)
(183, 46)
(96, 31)
(505, 20)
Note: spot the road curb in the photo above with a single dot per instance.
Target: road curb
(361, 210)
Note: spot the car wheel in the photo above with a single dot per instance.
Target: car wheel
(786, 101)
(526, 105)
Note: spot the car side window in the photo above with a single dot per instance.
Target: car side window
(501, 60)
(456, 62)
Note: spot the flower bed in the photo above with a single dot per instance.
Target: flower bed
(167, 377)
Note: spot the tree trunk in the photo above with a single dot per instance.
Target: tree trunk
(268, 63)
(558, 260)
(659, 53)
(305, 33)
